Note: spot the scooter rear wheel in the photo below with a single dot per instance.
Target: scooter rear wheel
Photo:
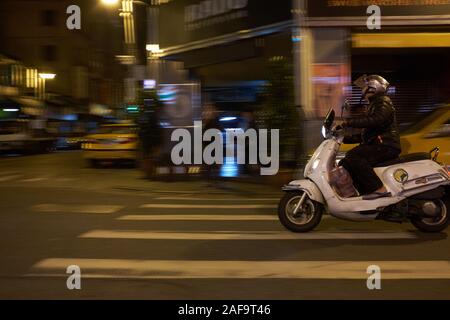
(306, 218)
(437, 224)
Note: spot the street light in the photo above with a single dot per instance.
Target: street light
(115, 2)
(110, 2)
(126, 12)
(44, 77)
(154, 50)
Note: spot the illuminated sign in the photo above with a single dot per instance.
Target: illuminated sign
(126, 59)
(185, 21)
(209, 8)
(132, 109)
(149, 84)
(346, 8)
(211, 12)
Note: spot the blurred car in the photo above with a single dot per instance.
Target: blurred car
(72, 142)
(13, 136)
(17, 135)
(112, 142)
(430, 132)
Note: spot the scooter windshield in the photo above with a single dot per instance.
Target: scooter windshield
(329, 119)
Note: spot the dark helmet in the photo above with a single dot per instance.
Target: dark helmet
(372, 85)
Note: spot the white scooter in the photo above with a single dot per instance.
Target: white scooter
(419, 187)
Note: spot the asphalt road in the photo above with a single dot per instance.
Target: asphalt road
(138, 239)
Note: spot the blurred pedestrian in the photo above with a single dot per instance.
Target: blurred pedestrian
(150, 134)
(210, 121)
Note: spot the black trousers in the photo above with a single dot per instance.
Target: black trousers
(359, 162)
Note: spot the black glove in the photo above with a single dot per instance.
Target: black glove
(340, 126)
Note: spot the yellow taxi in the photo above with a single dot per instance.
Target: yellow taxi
(112, 142)
(430, 132)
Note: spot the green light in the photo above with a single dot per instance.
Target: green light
(133, 109)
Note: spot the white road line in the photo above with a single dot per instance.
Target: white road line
(35, 179)
(12, 177)
(198, 217)
(66, 179)
(182, 269)
(8, 173)
(74, 208)
(203, 217)
(187, 198)
(242, 235)
(206, 206)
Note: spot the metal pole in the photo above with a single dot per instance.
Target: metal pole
(43, 89)
(303, 58)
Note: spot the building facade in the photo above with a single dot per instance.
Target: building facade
(84, 61)
(226, 45)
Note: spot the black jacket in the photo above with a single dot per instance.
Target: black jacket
(379, 124)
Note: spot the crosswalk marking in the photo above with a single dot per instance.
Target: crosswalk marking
(66, 179)
(187, 198)
(8, 173)
(35, 179)
(196, 217)
(243, 235)
(75, 208)
(17, 177)
(11, 177)
(205, 206)
(182, 269)
(202, 217)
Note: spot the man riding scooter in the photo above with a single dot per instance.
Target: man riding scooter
(379, 139)
(414, 188)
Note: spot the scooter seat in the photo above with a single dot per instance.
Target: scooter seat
(406, 158)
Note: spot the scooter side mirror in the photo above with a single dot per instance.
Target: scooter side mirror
(329, 119)
(434, 153)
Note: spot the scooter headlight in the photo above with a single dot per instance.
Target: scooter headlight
(311, 166)
(315, 164)
(324, 132)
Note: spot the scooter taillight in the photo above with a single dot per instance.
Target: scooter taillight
(446, 170)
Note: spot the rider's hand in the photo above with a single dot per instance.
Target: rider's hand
(340, 126)
(343, 124)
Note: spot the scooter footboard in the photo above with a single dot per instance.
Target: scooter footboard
(308, 186)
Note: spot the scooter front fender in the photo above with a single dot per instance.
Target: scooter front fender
(308, 186)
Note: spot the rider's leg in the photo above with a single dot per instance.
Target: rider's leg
(360, 161)
(364, 178)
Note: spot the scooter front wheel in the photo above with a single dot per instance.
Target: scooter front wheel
(298, 213)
